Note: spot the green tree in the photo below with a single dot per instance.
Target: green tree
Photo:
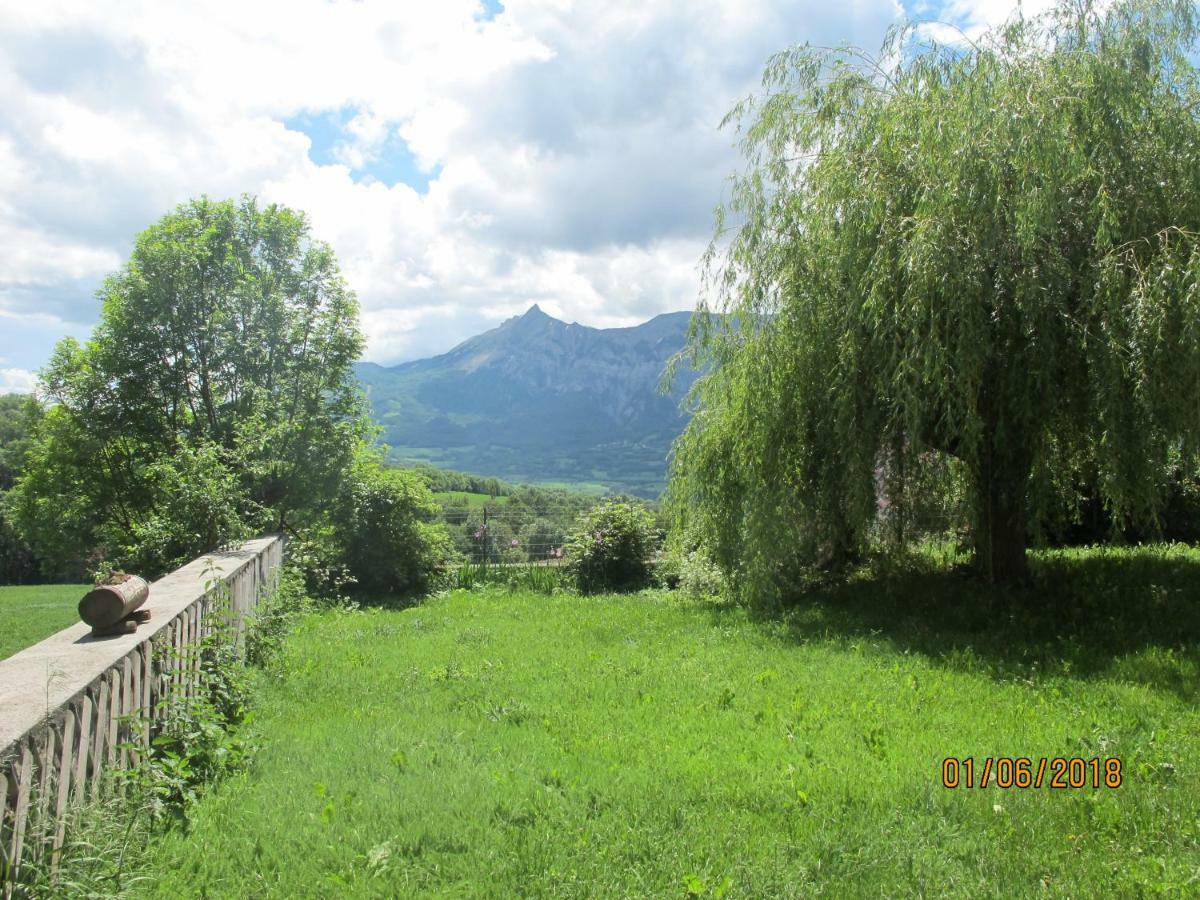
(541, 538)
(383, 523)
(222, 358)
(612, 546)
(18, 564)
(986, 250)
(17, 412)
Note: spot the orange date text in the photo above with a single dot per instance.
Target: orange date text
(1058, 773)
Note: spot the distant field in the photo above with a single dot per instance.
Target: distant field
(30, 613)
(591, 488)
(470, 498)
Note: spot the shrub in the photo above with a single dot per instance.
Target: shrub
(382, 525)
(687, 564)
(612, 546)
(274, 618)
(200, 506)
(541, 538)
(699, 576)
(316, 553)
(18, 564)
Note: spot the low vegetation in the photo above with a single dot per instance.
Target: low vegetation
(506, 743)
(612, 546)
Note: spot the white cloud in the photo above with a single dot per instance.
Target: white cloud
(17, 381)
(572, 147)
(971, 17)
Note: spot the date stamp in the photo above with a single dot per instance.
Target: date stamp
(1058, 773)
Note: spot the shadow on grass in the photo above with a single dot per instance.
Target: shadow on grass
(1130, 614)
(381, 600)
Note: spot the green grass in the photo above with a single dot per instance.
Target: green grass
(471, 499)
(501, 743)
(30, 613)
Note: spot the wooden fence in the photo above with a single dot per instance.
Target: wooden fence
(73, 705)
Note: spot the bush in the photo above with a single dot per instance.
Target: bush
(541, 538)
(18, 564)
(200, 506)
(687, 564)
(382, 525)
(612, 546)
(316, 553)
(699, 576)
(274, 618)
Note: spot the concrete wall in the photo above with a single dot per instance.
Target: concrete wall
(74, 705)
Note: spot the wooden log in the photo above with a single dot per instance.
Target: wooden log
(125, 626)
(107, 604)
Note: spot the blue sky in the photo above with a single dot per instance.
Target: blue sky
(393, 163)
(465, 159)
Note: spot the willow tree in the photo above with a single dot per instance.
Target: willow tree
(985, 248)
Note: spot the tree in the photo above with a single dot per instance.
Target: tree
(18, 415)
(18, 565)
(383, 522)
(215, 395)
(611, 547)
(986, 250)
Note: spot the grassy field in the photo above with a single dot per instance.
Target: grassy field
(500, 744)
(30, 613)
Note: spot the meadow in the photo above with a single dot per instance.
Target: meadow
(500, 742)
(30, 613)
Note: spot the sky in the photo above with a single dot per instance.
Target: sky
(464, 159)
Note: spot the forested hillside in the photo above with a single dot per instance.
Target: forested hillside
(538, 400)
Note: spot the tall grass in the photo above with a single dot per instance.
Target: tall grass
(538, 579)
(499, 743)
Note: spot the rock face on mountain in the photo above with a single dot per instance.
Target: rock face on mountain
(536, 399)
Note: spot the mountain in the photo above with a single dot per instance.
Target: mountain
(538, 400)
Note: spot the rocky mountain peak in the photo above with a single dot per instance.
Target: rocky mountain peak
(536, 399)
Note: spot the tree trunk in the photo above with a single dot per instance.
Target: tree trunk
(1000, 527)
(1000, 538)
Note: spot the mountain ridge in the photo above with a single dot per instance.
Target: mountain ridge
(541, 400)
